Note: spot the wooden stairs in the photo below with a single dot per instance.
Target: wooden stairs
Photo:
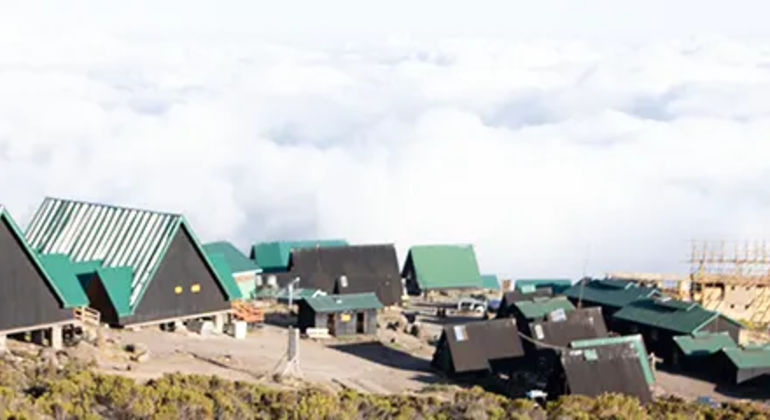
(245, 311)
(88, 316)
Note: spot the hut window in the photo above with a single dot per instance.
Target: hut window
(178, 290)
(195, 288)
(460, 333)
(539, 332)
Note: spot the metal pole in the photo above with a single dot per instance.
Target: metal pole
(291, 292)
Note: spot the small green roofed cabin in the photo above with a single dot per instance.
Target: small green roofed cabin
(340, 315)
(244, 270)
(741, 365)
(441, 267)
(273, 257)
(37, 293)
(659, 320)
(557, 286)
(138, 267)
(700, 353)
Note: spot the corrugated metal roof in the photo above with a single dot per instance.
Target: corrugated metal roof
(119, 236)
(609, 293)
(668, 314)
(445, 266)
(540, 307)
(704, 344)
(340, 303)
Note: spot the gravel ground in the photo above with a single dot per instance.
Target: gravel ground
(365, 366)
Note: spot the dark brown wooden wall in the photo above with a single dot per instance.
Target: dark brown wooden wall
(408, 273)
(26, 299)
(182, 266)
(311, 319)
(719, 324)
(100, 301)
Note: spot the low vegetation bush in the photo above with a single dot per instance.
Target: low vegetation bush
(34, 389)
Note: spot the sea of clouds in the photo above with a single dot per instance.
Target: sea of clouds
(543, 154)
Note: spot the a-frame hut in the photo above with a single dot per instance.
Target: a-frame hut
(36, 293)
(441, 267)
(138, 267)
(350, 269)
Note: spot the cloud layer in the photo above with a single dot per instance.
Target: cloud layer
(542, 154)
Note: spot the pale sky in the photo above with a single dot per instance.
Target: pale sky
(542, 132)
(624, 19)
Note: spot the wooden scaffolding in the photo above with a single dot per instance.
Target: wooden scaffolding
(733, 278)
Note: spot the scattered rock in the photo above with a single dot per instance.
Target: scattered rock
(135, 348)
(139, 352)
(141, 357)
(417, 330)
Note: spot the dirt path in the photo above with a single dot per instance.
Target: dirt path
(367, 367)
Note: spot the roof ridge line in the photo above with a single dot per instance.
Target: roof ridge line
(113, 206)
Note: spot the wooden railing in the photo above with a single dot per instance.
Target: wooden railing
(88, 316)
(245, 311)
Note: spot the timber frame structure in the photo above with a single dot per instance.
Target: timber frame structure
(732, 278)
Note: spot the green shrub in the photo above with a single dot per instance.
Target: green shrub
(34, 390)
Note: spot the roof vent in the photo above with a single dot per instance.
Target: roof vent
(558, 315)
(338, 301)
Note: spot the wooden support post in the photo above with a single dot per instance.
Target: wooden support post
(219, 323)
(3, 343)
(38, 337)
(57, 338)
